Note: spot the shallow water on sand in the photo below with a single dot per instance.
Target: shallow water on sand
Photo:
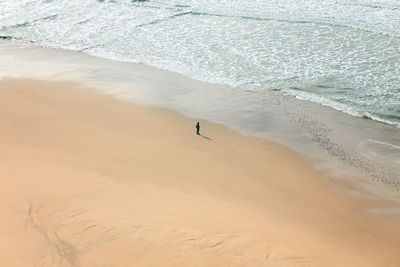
(343, 54)
(336, 142)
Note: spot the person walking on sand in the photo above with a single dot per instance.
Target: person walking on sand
(198, 128)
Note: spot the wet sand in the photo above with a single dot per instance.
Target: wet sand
(335, 141)
(87, 180)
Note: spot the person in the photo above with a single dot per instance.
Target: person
(198, 128)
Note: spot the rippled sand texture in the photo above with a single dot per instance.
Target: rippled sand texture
(86, 180)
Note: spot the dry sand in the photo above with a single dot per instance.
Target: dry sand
(87, 180)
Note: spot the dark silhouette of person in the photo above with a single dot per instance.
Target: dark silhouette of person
(198, 128)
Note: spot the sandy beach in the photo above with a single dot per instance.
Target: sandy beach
(88, 180)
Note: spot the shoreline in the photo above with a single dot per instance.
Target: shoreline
(110, 182)
(331, 139)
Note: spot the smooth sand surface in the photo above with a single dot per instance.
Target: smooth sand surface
(87, 180)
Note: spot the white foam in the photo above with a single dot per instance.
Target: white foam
(338, 106)
(384, 143)
(249, 45)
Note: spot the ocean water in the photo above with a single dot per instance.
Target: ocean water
(340, 53)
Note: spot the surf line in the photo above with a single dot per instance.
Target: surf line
(383, 143)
